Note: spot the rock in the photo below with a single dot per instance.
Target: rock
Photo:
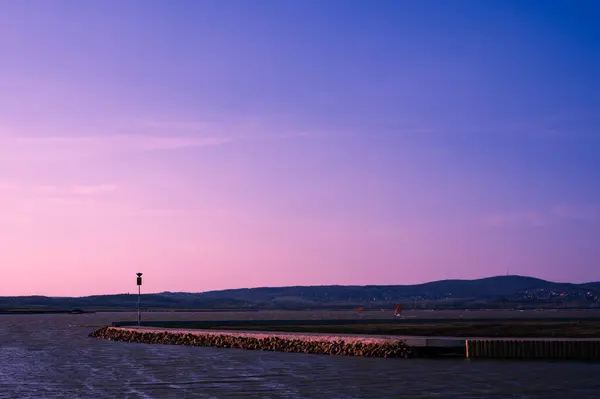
(386, 349)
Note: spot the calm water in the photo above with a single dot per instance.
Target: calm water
(51, 357)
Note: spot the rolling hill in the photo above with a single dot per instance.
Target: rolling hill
(493, 292)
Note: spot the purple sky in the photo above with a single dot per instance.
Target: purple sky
(223, 144)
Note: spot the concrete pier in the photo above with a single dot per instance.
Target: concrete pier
(295, 343)
(565, 349)
(364, 345)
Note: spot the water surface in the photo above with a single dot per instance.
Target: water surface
(50, 356)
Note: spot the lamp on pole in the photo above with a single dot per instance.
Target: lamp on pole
(139, 284)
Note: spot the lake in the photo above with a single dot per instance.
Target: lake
(51, 356)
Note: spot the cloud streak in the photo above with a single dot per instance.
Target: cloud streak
(56, 192)
(122, 143)
(516, 219)
(546, 217)
(25, 150)
(189, 135)
(94, 190)
(583, 213)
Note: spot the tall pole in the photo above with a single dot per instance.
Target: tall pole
(139, 302)
(139, 284)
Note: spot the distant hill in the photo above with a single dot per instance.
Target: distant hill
(493, 292)
(483, 288)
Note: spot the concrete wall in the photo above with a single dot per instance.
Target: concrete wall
(534, 349)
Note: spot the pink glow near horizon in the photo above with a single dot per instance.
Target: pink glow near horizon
(281, 152)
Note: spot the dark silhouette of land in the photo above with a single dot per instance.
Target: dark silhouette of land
(502, 292)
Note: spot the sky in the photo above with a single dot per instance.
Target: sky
(224, 144)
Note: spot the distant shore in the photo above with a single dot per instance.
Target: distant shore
(43, 311)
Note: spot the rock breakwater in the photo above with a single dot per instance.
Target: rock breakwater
(293, 343)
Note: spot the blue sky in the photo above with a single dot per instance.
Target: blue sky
(376, 142)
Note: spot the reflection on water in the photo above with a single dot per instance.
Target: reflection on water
(50, 356)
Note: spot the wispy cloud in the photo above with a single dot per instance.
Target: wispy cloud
(584, 213)
(94, 190)
(545, 217)
(123, 143)
(193, 126)
(43, 149)
(46, 191)
(516, 218)
(293, 135)
(61, 147)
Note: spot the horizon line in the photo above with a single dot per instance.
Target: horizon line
(297, 286)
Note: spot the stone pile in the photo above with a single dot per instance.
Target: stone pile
(296, 343)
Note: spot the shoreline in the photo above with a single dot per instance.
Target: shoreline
(458, 327)
(363, 345)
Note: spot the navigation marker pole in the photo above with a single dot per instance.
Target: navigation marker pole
(139, 284)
